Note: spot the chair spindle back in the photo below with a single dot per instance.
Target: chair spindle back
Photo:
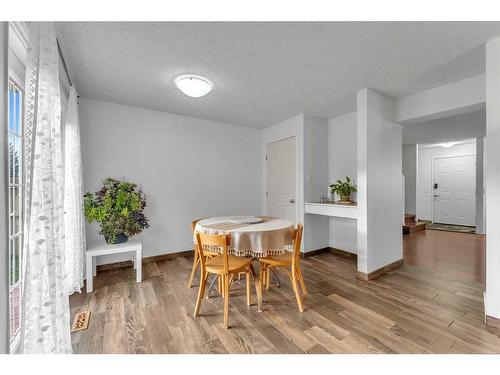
(216, 240)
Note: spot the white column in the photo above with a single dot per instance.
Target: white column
(492, 143)
(480, 214)
(410, 173)
(4, 290)
(380, 183)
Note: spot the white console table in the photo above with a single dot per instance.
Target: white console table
(105, 249)
(332, 209)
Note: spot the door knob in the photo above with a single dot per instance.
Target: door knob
(292, 201)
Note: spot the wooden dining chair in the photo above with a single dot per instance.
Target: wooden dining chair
(290, 262)
(225, 266)
(196, 261)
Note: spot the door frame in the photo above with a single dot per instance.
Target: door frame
(266, 187)
(293, 127)
(432, 179)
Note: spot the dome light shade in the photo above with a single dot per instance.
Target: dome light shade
(193, 86)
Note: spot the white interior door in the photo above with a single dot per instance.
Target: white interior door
(455, 190)
(281, 200)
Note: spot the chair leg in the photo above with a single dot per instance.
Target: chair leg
(221, 281)
(249, 295)
(301, 280)
(268, 273)
(219, 284)
(262, 272)
(226, 301)
(293, 277)
(201, 292)
(224, 277)
(258, 285)
(195, 268)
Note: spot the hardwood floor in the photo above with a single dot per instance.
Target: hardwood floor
(460, 256)
(432, 304)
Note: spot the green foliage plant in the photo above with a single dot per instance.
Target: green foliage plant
(343, 188)
(118, 208)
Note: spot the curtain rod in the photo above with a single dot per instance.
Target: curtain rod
(63, 61)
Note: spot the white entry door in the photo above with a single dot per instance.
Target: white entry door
(281, 200)
(455, 190)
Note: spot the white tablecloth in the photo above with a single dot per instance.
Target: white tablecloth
(270, 237)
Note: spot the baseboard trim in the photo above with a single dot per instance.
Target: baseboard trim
(154, 258)
(343, 253)
(372, 275)
(492, 321)
(314, 252)
(168, 256)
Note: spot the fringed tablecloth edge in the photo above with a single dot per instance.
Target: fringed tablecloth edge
(252, 253)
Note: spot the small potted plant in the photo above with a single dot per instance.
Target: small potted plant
(118, 208)
(343, 189)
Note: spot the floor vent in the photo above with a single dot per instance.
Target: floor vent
(81, 321)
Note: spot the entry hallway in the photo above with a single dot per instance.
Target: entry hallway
(431, 306)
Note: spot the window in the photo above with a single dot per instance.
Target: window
(16, 194)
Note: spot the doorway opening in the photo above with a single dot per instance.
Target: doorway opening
(444, 189)
(446, 186)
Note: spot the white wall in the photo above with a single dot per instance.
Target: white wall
(492, 148)
(342, 162)
(315, 158)
(188, 167)
(380, 182)
(316, 231)
(455, 128)
(480, 192)
(462, 96)
(425, 180)
(410, 174)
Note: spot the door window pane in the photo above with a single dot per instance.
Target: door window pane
(17, 160)
(15, 185)
(17, 259)
(11, 263)
(15, 217)
(18, 113)
(11, 109)
(11, 200)
(11, 157)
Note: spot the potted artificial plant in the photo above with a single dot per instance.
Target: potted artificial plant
(343, 189)
(117, 207)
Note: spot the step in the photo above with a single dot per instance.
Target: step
(414, 227)
(409, 218)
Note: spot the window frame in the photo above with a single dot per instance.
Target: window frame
(16, 233)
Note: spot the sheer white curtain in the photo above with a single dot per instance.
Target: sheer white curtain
(74, 222)
(45, 313)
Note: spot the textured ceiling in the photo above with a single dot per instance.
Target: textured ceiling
(264, 73)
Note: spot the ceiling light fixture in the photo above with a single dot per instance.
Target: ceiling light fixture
(193, 86)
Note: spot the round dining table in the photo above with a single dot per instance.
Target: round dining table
(251, 236)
